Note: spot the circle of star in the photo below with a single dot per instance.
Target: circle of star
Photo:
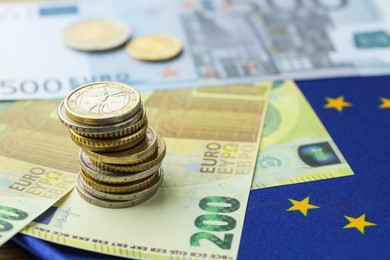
(337, 103)
(303, 206)
(359, 223)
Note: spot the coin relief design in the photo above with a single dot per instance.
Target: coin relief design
(104, 100)
(102, 103)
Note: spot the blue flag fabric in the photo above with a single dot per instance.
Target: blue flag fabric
(336, 218)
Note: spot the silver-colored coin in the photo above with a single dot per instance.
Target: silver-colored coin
(104, 131)
(102, 103)
(94, 172)
(124, 196)
(110, 203)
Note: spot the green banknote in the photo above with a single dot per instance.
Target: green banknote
(212, 137)
(295, 146)
(36, 168)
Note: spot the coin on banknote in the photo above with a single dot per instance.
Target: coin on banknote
(100, 175)
(122, 187)
(107, 203)
(109, 144)
(137, 154)
(135, 168)
(104, 131)
(96, 34)
(122, 196)
(102, 103)
(154, 47)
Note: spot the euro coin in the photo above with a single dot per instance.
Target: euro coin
(154, 47)
(137, 154)
(100, 175)
(119, 188)
(104, 131)
(111, 144)
(102, 103)
(122, 196)
(110, 203)
(134, 168)
(96, 34)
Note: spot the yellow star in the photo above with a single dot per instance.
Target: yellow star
(303, 206)
(359, 223)
(337, 103)
(385, 103)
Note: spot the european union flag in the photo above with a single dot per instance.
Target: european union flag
(336, 218)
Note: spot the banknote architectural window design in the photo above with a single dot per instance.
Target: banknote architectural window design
(223, 43)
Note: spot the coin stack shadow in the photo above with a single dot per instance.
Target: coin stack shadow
(120, 162)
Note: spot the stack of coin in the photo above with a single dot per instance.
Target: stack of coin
(121, 156)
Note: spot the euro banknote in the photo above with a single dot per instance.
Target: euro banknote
(225, 41)
(212, 137)
(35, 167)
(295, 146)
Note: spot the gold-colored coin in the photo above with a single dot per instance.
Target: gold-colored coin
(154, 47)
(122, 196)
(96, 34)
(137, 154)
(135, 168)
(102, 103)
(104, 131)
(119, 188)
(100, 175)
(109, 145)
(110, 203)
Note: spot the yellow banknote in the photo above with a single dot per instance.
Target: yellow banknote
(37, 166)
(212, 137)
(295, 146)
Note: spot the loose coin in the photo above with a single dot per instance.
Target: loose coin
(96, 34)
(111, 144)
(120, 188)
(122, 196)
(137, 154)
(134, 168)
(100, 175)
(104, 131)
(102, 103)
(154, 47)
